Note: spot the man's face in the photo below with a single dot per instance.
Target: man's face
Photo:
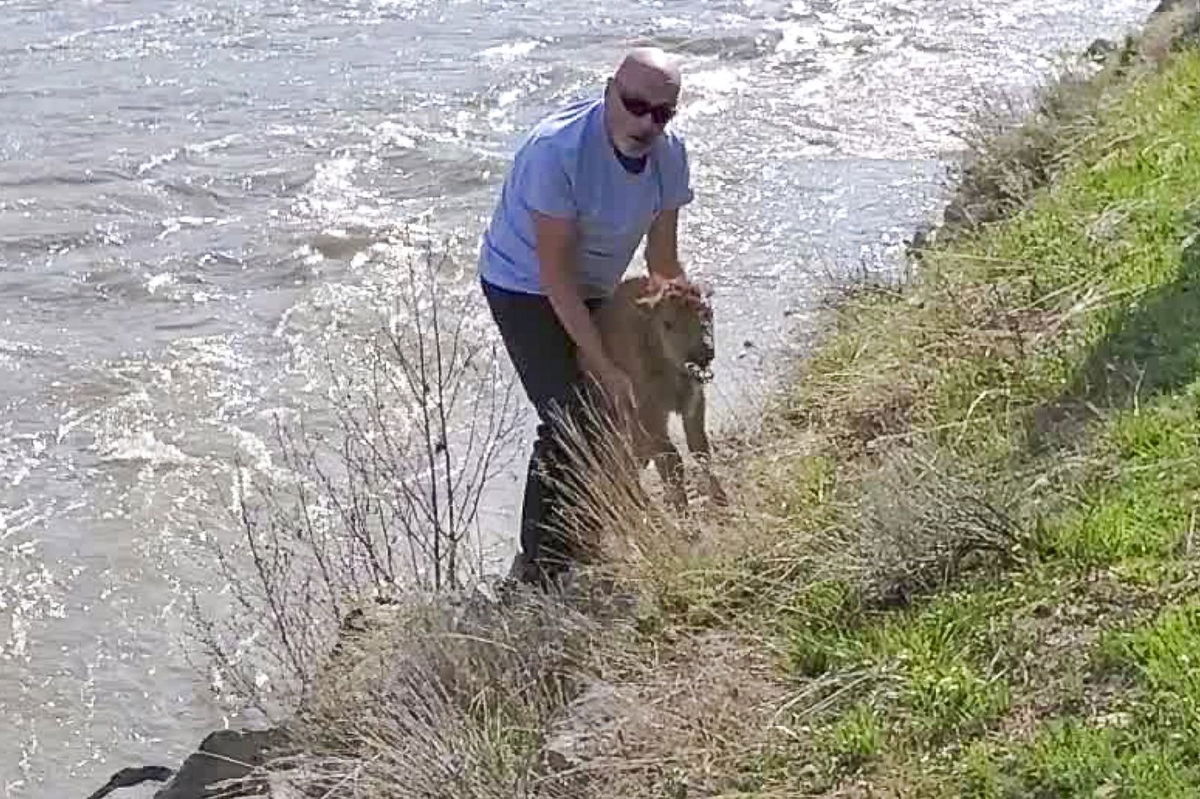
(640, 104)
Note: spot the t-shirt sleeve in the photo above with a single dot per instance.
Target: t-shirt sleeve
(545, 186)
(677, 179)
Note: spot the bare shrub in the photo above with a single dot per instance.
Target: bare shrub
(349, 576)
(522, 692)
(385, 499)
(920, 520)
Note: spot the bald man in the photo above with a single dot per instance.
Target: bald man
(586, 186)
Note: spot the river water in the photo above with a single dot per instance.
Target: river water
(171, 176)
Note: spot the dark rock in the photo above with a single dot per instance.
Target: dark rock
(922, 237)
(223, 755)
(1100, 49)
(133, 776)
(1167, 5)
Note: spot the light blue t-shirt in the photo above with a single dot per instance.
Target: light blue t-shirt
(567, 168)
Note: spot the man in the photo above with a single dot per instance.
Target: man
(587, 184)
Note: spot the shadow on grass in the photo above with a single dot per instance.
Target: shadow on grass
(1151, 348)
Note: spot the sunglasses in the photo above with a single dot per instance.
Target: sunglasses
(661, 114)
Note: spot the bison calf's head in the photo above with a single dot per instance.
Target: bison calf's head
(681, 322)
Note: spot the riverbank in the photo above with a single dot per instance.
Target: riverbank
(961, 554)
(1005, 450)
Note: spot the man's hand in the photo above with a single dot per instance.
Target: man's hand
(618, 388)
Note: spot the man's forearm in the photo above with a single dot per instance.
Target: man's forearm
(666, 269)
(577, 321)
(556, 268)
(663, 262)
(662, 247)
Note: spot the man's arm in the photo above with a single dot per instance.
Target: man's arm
(662, 245)
(556, 253)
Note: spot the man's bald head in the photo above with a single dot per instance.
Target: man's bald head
(641, 98)
(651, 71)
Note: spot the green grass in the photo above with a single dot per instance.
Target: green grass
(976, 579)
(854, 739)
(1142, 501)
(1149, 749)
(1056, 352)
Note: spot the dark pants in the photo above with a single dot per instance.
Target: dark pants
(545, 360)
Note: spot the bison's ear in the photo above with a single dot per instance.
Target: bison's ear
(701, 289)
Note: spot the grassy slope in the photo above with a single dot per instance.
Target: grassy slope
(1048, 364)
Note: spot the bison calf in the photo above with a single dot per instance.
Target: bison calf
(659, 332)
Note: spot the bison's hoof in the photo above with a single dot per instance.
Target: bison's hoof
(678, 501)
(717, 495)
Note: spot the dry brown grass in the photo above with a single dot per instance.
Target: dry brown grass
(921, 521)
(686, 725)
(432, 698)
(651, 673)
(603, 688)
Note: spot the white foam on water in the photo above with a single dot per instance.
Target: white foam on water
(156, 161)
(511, 51)
(722, 80)
(508, 97)
(156, 282)
(671, 23)
(142, 447)
(396, 134)
(29, 591)
(173, 225)
(20, 348)
(254, 448)
(205, 147)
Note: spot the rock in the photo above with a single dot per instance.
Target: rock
(131, 777)
(583, 726)
(223, 755)
(1167, 5)
(1100, 49)
(922, 237)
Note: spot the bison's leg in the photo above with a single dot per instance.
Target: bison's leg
(670, 468)
(666, 460)
(697, 441)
